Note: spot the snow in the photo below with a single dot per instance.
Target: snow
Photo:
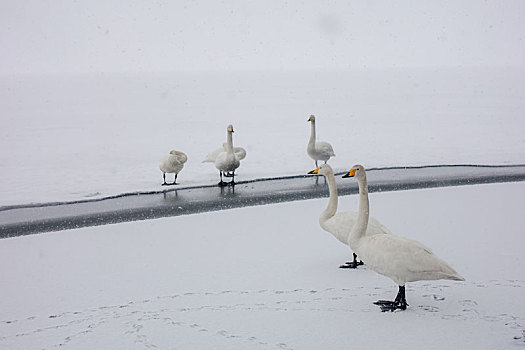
(94, 94)
(237, 279)
(95, 135)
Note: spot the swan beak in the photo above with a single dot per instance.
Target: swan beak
(309, 119)
(230, 129)
(314, 171)
(351, 173)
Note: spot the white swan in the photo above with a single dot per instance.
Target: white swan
(338, 224)
(172, 163)
(240, 153)
(227, 160)
(402, 259)
(318, 150)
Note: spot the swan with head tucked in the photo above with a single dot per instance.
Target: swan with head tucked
(227, 160)
(172, 164)
(318, 150)
(401, 259)
(339, 224)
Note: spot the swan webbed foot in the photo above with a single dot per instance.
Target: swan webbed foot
(223, 184)
(351, 265)
(388, 305)
(400, 303)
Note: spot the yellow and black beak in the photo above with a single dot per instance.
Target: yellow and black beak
(351, 173)
(309, 119)
(315, 171)
(231, 129)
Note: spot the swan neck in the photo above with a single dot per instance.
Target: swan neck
(312, 133)
(229, 143)
(359, 230)
(331, 208)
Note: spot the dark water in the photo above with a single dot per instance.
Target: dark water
(23, 220)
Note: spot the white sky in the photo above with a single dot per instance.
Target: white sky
(84, 36)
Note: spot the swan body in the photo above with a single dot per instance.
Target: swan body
(401, 259)
(338, 224)
(240, 153)
(227, 160)
(172, 164)
(318, 150)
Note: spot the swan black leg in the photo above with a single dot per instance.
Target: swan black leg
(222, 183)
(232, 182)
(351, 264)
(175, 179)
(400, 303)
(164, 177)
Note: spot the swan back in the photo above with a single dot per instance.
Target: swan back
(403, 260)
(173, 162)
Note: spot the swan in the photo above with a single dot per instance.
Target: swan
(240, 153)
(227, 160)
(401, 259)
(338, 223)
(172, 163)
(318, 150)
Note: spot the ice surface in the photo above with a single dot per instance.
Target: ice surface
(77, 137)
(237, 279)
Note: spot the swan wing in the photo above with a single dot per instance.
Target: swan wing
(172, 163)
(324, 148)
(240, 152)
(403, 259)
(212, 156)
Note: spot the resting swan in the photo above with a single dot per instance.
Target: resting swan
(172, 163)
(402, 259)
(318, 150)
(227, 160)
(338, 224)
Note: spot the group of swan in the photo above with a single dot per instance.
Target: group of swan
(399, 258)
(227, 158)
(338, 223)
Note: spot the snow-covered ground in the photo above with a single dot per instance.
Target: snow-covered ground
(237, 279)
(80, 136)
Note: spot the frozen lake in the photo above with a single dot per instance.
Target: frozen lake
(266, 278)
(87, 136)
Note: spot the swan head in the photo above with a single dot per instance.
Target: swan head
(357, 171)
(312, 118)
(230, 128)
(324, 169)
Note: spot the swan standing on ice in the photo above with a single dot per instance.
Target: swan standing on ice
(339, 224)
(318, 150)
(402, 259)
(227, 158)
(172, 163)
